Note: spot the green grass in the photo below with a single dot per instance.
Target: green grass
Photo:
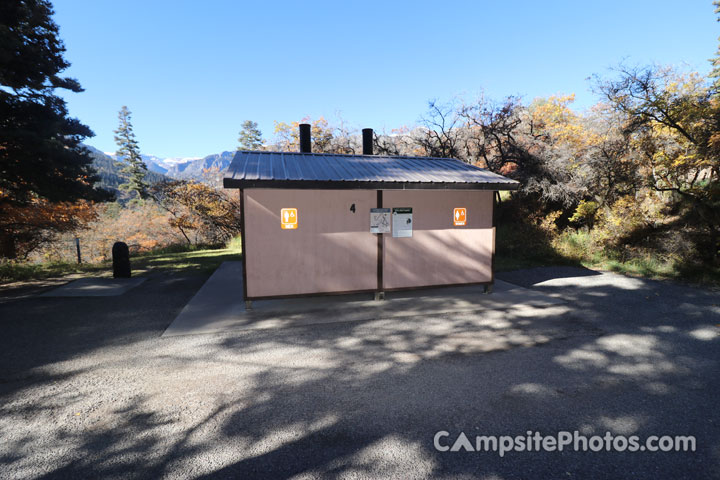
(21, 271)
(650, 266)
(235, 243)
(174, 258)
(201, 261)
(518, 248)
(579, 246)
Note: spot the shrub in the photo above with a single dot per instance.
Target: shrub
(585, 213)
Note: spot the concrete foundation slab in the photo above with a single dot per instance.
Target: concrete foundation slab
(219, 305)
(95, 287)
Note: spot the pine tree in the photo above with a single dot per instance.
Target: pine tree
(42, 160)
(250, 136)
(128, 152)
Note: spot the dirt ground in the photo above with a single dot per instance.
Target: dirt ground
(89, 389)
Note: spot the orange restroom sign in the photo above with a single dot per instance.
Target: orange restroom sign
(460, 217)
(289, 218)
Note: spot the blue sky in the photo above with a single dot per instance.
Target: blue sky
(192, 71)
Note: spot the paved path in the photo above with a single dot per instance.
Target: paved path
(95, 287)
(219, 307)
(90, 389)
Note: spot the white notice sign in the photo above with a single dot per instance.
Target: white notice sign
(379, 220)
(402, 222)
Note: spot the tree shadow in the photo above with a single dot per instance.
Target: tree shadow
(365, 399)
(529, 277)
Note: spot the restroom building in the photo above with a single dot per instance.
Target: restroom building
(316, 223)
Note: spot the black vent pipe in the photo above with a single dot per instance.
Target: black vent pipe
(367, 141)
(305, 143)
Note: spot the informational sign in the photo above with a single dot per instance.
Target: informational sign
(379, 220)
(402, 222)
(460, 217)
(289, 218)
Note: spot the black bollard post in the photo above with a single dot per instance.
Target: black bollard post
(121, 260)
(77, 248)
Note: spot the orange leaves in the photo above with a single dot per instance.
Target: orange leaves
(713, 143)
(142, 226)
(211, 215)
(40, 221)
(40, 213)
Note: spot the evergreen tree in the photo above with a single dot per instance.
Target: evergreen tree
(250, 136)
(129, 153)
(42, 160)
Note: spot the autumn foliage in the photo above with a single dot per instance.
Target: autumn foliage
(638, 173)
(39, 222)
(199, 212)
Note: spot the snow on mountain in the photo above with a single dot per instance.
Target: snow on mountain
(187, 168)
(154, 164)
(198, 169)
(176, 160)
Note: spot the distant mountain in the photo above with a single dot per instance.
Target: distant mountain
(189, 168)
(109, 171)
(154, 164)
(201, 168)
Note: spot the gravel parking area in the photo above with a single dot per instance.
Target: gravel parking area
(89, 389)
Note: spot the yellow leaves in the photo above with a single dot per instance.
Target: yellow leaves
(692, 84)
(585, 212)
(554, 117)
(662, 130)
(554, 109)
(548, 224)
(287, 136)
(624, 216)
(684, 161)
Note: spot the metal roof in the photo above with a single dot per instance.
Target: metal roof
(334, 171)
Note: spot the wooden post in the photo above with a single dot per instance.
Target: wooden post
(380, 290)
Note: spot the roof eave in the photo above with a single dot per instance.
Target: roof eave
(229, 182)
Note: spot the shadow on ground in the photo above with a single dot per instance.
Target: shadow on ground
(88, 389)
(200, 261)
(529, 277)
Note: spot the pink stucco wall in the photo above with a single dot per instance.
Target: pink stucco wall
(438, 252)
(332, 249)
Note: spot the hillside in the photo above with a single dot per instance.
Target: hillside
(200, 169)
(109, 171)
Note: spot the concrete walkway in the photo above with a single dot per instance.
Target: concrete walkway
(219, 305)
(95, 287)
